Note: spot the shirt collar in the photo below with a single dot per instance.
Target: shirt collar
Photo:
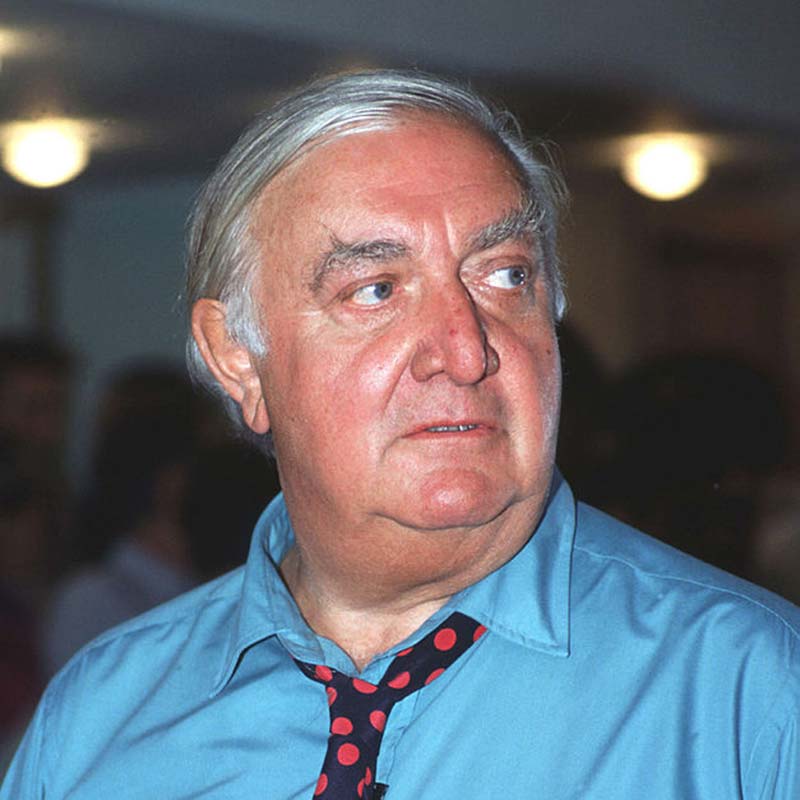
(265, 607)
(526, 600)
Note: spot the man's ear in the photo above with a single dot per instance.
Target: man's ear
(229, 362)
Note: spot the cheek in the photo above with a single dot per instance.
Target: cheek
(352, 386)
(371, 375)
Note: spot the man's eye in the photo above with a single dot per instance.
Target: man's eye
(373, 294)
(508, 277)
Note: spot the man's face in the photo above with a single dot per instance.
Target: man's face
(412, 374)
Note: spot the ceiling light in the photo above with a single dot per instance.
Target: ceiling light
(45, 153)
(664, 166)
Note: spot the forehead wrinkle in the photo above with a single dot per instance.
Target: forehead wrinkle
(344, 255)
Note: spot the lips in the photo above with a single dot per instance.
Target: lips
(461, 427)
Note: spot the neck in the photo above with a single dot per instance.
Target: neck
(384, 586)
(363, 624)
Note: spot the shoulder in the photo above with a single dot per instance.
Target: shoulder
(150, 650)
(730, 645)
(637, 575)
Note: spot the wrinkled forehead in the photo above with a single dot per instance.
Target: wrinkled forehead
(372, 181)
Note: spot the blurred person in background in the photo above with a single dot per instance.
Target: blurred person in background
(158, 395)
(35, 375)
(226, 490)
(25, 550)
(125, 550)
(777, 535)
(582, 437)
(133, 528)
(35, 382)
(170, 499)
(35, 509)
(692, 438)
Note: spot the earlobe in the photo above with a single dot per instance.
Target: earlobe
(258, 418)
(229, 362)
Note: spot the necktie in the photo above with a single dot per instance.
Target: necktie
(359, 709)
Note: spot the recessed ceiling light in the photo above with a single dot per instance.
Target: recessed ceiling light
(45, 153)
(664, 166)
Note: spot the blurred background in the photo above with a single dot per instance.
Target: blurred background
(681, 347)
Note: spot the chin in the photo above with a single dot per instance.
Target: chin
(462, 500)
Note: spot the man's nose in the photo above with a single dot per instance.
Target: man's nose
(452, 340)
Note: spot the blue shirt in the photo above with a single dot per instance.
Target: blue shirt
(613, 667)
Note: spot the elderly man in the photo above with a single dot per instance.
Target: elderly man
(426, 612)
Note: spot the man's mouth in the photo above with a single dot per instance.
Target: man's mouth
(451, 428)
(444, 429)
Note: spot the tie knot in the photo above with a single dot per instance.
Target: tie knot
(418, 665)
(413, 667)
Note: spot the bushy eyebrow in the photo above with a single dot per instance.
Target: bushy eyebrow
(519, 223)
(342, 255)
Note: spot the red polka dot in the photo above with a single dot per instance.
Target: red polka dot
(348, 754)
(433, 676)
(323, 673)
(405, 652)
(363, 686)
(479, 631)
(445, 639)
(332, 694)
(342, 726)
(400, 681)
(322, 785)
(378, 720)
(360, 788)
(368, 777)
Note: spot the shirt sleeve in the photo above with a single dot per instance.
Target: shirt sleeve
(774, 772)
(25, 779)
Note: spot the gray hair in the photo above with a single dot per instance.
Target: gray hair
(222, 261)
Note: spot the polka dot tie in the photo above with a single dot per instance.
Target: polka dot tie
(359, 709)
